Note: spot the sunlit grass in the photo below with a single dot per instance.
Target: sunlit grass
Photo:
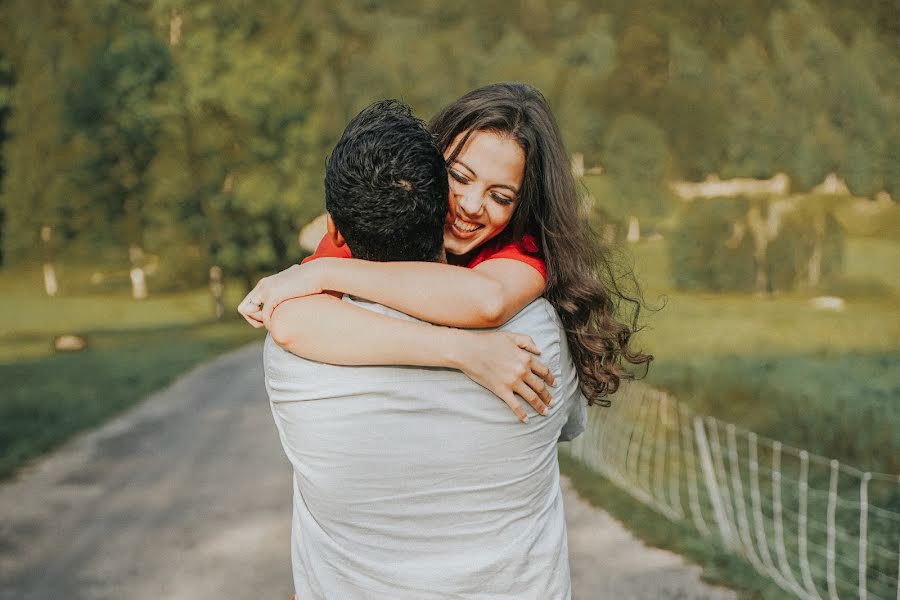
(29, 319)
(706, 325)
(134, 348)
(809, 377)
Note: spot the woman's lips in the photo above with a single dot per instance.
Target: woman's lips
(464, 229)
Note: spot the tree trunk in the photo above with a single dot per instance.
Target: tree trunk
(814, 268)
(634, 230)
(138, 277)
(759, 232)
(217, 290)
(51, 285)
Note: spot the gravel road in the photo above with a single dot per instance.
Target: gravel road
(187, 496)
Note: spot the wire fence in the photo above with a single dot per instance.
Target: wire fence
(817, 528)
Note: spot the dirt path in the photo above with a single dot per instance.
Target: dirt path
(187, 496)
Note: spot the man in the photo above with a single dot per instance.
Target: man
(417, 482)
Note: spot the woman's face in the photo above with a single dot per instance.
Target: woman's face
(485, 180)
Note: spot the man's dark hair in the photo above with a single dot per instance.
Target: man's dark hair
(386, 186)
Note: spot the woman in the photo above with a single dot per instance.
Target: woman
(512, 235)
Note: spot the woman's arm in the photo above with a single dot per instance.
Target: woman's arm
(486, 296)
(325, 329)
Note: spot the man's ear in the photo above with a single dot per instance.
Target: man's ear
(334, 233)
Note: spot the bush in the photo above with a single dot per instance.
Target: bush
(714, 245)
(701, 258)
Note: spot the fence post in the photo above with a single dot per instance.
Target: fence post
(801, 533)
(863, 533)
(690, 467)
(721, 477)
(648, 445)
(830, 555)
(777, 507)
(675, 458)
(756, 500)
(738, 488)
(712, 486)
(659, 467)
(632, 463)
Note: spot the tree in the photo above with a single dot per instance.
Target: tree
(41, 42)
(111, 105)
(751, 141)
(636, 158)
(6, 83)
(637, 82)
(695, 112)
(251, 123)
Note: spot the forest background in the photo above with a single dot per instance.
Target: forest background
(178, 136)
(197, 131)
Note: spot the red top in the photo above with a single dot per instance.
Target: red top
(525, 250)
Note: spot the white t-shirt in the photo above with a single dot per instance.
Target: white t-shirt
(417, 483)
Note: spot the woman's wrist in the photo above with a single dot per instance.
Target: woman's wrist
(454, 348)
(324, 273)
(337, 274)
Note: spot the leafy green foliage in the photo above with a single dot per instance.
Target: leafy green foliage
(699, 255)
(637, 159)
(159, 122)
(728, 244)
(110, 103)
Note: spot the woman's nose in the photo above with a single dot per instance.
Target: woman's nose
(470, 203)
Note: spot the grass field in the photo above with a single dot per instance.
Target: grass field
(133, 349)
(826, 381)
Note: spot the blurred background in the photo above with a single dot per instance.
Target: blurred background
(158, 156)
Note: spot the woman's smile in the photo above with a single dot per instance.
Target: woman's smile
(464, 228)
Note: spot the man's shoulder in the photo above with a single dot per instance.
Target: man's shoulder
(538, 320)
(538, 311)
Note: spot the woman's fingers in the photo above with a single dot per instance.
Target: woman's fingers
(266, 312)
(252, 320)
(251, 312)
(526, 343)
(532, 398)
(539, 387)
(515, 405)
(542, 371)
(252, 304)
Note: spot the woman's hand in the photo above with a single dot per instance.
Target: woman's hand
(294, 282)
(507, 365)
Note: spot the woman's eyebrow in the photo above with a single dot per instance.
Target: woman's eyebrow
(468, 168)
(474, 174)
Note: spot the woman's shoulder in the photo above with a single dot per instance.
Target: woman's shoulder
(525, 249)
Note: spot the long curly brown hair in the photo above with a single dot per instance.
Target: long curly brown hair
(582, 284)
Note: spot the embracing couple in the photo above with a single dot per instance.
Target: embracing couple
(454, 272)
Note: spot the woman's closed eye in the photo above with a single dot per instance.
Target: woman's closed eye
(459, 176)
(501, 199)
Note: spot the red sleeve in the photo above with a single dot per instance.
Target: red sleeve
(525, 250)
(328, 249)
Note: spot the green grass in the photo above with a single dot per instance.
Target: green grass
(826, 381)
(133, 349)
(29, 319)
(841, 406)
